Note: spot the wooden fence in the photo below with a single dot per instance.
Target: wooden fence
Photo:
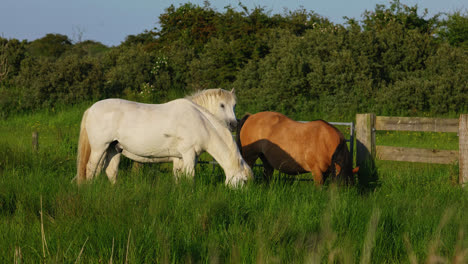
(367, 124)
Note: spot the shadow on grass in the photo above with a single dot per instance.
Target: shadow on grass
(368, 177)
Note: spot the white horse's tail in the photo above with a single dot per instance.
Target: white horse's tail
(84, 150)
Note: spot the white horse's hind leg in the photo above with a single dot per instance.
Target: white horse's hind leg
(94, 163)
(102, 164)
(112, 164)
(177, 167)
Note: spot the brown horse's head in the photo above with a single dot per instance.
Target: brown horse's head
(342, 165)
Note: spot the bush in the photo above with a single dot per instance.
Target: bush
(393, 62)
(128, 69)
(68, 80)
(52, 46)
(454, 29)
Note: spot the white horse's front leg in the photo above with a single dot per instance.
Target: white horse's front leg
(190, 160)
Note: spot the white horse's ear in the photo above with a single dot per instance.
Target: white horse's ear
(232, 91)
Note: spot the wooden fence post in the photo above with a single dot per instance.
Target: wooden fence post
(365, 138)
(463, 149)
(35, 141)
(365, 150)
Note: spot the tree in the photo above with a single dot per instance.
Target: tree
(146, 38)
(398, 13)
(3, 61)
(454, 29)
(52, 45)
(12, 52)
(192, 24)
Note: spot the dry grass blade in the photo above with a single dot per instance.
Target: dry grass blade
(128, 245)
(460, 253)
(18, 255)
(81, 251)
(412, 257)
(433, 257)
(112, 252)
(332, 256)
(369, 242)
(326, 238)
(44, 241)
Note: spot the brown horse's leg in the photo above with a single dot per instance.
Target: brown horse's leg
(267, 168)
(318, 176)
(250, 161)
(250, 156)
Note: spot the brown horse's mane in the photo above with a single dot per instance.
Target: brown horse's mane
(240, 123)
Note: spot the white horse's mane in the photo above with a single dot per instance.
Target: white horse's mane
(202, 97)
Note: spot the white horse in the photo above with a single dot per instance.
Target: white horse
(177, 131)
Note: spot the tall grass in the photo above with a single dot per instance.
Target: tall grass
(414, 214)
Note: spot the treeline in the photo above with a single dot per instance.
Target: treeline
(394, 61)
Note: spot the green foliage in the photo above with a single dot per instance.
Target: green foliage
(398, 13)
(395, 61)
(67, 80)
(216, 67)
(89, 48)
(129, 68)
(191, 24)
(447, 72)
(52, 45)
(145, 38)
(12, 52)
(454, 29)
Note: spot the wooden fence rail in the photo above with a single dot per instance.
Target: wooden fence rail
(416, 124)
(367, 124)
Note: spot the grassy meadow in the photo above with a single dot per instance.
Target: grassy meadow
(412, 213)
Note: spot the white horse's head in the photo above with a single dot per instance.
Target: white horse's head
(220, 103)
(239, 178)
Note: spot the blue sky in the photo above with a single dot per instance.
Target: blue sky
(110, 21)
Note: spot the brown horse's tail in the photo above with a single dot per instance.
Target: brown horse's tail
(84, 151)
(239, 127)
(341, 164)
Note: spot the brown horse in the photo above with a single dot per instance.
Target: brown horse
(293, 147)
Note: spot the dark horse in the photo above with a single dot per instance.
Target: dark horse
(293, 147)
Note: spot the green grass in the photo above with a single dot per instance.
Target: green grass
(414, 210)
(411, 139)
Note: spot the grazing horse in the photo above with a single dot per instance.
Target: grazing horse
(294, 147)
(177, 131)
